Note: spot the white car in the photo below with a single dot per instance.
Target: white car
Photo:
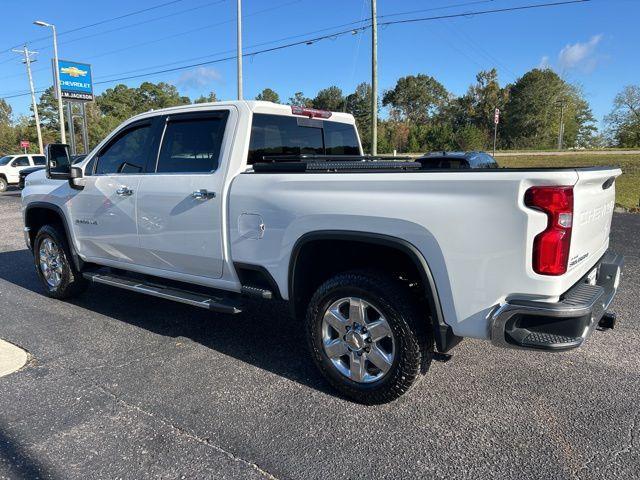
(380, 260)
(11, 165)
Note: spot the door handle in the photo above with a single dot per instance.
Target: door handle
(124, 191)
(203, 194)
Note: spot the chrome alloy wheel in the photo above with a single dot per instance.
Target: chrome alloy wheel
(51, 262)
(358, 340)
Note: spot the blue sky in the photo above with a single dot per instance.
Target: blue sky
(593, 44)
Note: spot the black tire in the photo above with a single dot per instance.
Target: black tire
(72, 282)
(3, 185)
(408, 322)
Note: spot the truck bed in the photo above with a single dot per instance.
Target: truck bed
(471, 226)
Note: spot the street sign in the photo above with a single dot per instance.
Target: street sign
(24, 144)
(75, 80)
(496, 116)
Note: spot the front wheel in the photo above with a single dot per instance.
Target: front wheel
(368, 337)
(3, 185)
(54, 265)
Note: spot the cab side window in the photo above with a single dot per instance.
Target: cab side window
(191, 144)
(127, 153)
(21, 162)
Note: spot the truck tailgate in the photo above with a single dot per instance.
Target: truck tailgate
(594, 201)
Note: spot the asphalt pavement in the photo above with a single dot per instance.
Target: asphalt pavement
(119, 385)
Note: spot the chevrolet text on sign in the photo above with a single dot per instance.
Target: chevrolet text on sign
(75, 80)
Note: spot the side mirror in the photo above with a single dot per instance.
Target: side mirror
(58, 161)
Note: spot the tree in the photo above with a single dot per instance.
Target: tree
(330, 99)
(358, 104)
(158, 95)
(587, 132)
(300, 100)
(8, 140)
(534, 108)
(48, 111)
(121, 102)
(416, 98)
(476, 109)
(212, 97)
(470, 137)
(623, 123)
(5, 112)
(268, 95)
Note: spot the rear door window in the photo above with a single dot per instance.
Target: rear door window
(39, 160)
(285, 135)
(191, 144)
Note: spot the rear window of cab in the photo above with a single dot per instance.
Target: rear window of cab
(286, 135)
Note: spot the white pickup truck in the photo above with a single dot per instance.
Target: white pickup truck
(381, 260)
(12, 165)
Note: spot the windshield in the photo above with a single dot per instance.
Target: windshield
(5, 160)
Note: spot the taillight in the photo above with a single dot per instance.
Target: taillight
(310, 112)
(551, 247)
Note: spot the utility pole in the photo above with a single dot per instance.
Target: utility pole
(239, 32)
(496, 120)
(374, 79)
(27, 61)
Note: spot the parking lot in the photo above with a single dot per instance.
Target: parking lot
(124, 386)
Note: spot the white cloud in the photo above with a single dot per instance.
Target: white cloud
(579, 55)
(198, 78)
(544, 63)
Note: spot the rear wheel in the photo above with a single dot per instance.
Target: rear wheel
(53, 263)
(3, 184)
(367, 336)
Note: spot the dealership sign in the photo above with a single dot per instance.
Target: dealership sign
(75, 80)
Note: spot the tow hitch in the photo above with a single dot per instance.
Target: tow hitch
(607, 322)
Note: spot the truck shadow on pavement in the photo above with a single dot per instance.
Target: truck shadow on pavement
(263, 335)
(19, 462)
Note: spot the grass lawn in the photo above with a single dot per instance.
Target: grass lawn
(627, 186)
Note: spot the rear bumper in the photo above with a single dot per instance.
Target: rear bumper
(561, 325)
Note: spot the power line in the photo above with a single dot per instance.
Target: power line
(310, 41)
(336, 34)
(233, 49)
(143, 22)
(460, 33)
(432, 9)
(113, 19)
(484, 12)
(101, 22)
(123, 27)
(184, 32)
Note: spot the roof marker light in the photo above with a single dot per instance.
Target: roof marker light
(309, 112)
